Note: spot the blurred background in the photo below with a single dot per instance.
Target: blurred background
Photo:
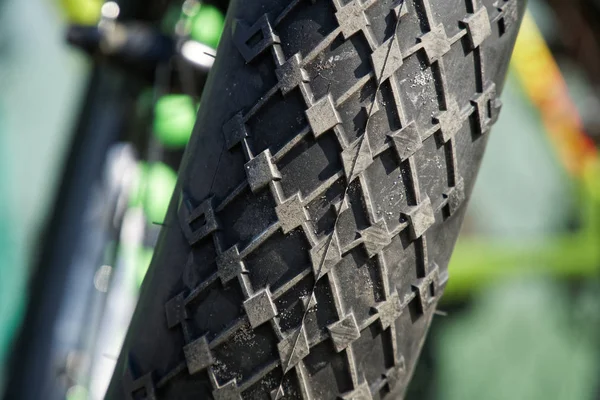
(521, 315)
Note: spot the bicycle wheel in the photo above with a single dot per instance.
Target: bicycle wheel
(319, 199)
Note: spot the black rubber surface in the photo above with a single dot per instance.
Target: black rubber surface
(319, 200)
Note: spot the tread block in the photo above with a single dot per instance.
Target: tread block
(375, 238)
(175, 311)
(344, 332)
(322, 116)
(323, 263)
(291, 213)
(197, 355)
(389, 310)
(229, 264)
(362, 392)
(478, 27)
(487, 108)
(435, 43)
(421, 217)
(388, 54)
(290, 74)
(199, 223)
(253, 40)
(450, 120)
(427, 288)
(261, 171)
(406, 141)
(351, 18)
(260, 308)
(228, 391)
(293, 348)
(234, 131)
(456, 196)
(357, 157)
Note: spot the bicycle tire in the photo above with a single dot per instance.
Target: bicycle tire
(301, 257)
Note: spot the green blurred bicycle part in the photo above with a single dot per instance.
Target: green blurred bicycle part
(84, 12)
(207, 25)
(153, 190)
(174, 118)
(478, 262)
